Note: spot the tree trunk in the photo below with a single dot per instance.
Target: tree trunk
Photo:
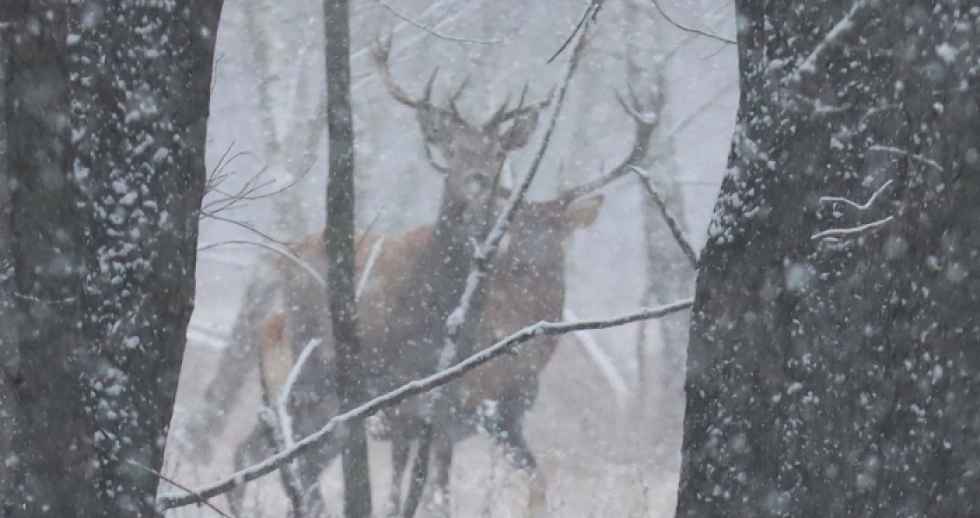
(107, 118)
(340, 254)
(838, 377)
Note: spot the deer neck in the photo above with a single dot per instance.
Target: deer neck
(445, 264)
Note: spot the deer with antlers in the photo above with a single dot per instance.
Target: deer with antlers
(470, 158)
(526, 285)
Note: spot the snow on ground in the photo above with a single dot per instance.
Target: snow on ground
(599, 460)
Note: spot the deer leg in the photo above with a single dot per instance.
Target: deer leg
(443, 457)
(401, 448)
(508, 431)
(420, 472)
(253, 447)
(309, 468)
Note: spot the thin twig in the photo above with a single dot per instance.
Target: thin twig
(675, 227)
(505, 346)
(161, 476)
(898, 151)
(485, 253)
(727, 41)
(281, 250)
(431, 30)
(373, 258)
(593, 11)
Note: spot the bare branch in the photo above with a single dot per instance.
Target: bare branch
(161, 476)
(431, 29)
(691, 30)
(675, 227)
(373, 258)
(408, 390)
(485, 253)
(281, 250)
(282, 399)
(593, 11)
(289, 475)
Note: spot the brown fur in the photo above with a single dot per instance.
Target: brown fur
(523, 289)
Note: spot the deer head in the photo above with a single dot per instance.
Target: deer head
(469, 155)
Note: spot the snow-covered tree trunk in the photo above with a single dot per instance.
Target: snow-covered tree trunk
(106, 114)
(832, 369)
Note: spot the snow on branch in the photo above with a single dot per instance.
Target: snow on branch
(414, 388)
(918, 158)
(841, 30)
(864, 206)
(836, 234)
(485, 252)
(675, 227)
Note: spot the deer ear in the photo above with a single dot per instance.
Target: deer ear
(436, 124)
(582, 213)
(520, 131)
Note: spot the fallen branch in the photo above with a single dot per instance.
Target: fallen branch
(390, 399)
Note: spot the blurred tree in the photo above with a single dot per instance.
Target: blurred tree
(105, 107)
(832, 369)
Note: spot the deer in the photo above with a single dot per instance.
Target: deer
(472, 157)
(531, 257)
(531, 260)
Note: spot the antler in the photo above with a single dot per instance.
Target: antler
(503, 115)
(381, 51)
(645, 114)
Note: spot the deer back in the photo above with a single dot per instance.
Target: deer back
(527, 286)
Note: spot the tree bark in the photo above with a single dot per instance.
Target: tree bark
(340, 254)
(838, 378)
(107, 118)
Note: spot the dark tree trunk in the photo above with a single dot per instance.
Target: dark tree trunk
(839, 378)
(339, 241)
(43, 237)
(107, 117)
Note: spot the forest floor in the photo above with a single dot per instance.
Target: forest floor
(599, 461)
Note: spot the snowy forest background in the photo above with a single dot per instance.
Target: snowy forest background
(831, 362)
